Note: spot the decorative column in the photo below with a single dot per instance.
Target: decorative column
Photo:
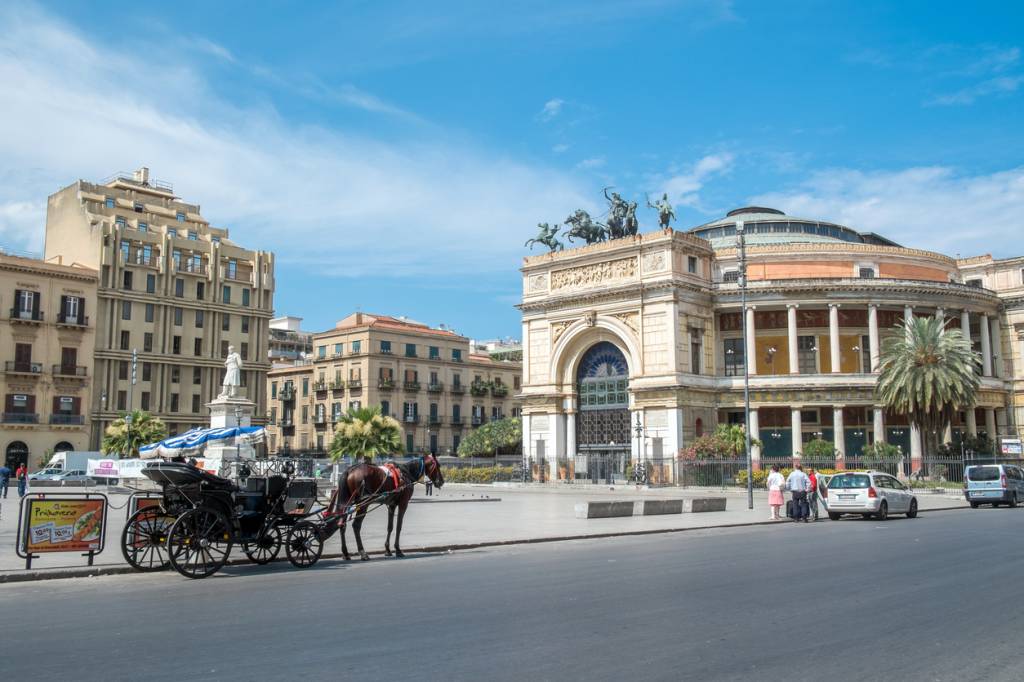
(755, 432)
(833, 336)
(940, 315)
(873, 336)
(986, 347)
(751, 347)
(965, 324)
(838, 432)
(972, 422)
(990, 424)
(947, 433)
(915, 448)
(797, 431)
(908, 313)
(997, 348)
(570, 436)
(879, 424)
(794, 358)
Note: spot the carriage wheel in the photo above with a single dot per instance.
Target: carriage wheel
(265, 547)
(304, 545)
(199, 542)
(144, 539)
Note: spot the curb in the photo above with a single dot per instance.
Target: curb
(96, 571)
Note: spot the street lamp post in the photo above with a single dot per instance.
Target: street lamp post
(746, 361)
(639, 429)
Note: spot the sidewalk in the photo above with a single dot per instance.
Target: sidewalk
(462, 515)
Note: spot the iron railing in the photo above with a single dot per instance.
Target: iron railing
(20, 367)
(21, 418)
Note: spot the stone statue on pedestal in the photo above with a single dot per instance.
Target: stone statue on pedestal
(232, 374)
(664, 208)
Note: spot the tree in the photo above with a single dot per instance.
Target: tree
(928, 373)
(728, 440)
(364, 432)
(879, 452)
(818, 450)
(490, 439)
(126, 439)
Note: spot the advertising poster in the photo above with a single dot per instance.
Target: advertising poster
(102, 468)
(63, 525)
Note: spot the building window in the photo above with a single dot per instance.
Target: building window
(126, 280)
(193, 236)
(385, 347)
(197, 346)
(455, 442)
(305, 414)
(172, 232)
(232, 269)
(150, 284)
(696, 351)
(223, 348)
(807, 354)
(225, 323)
(456, 379)
(195, 403)
(122, 370)
(321, 352)
(410, 350)
(865, 353)
(357, 347)
(246, 294)
(456, 355)
(244, 350)
(120, 222)
(691, 264)
(976, 283)
(176, 345)
(733, 357)
(200, 319)
(197, 375)
(144, 401)
(245, 324)
(731, 276)
(179, 288)
(866, 273)
(126, 339)
(200, 291)
(174, 402)
(175, 374)
(122, 400)
(305, 387)
(226, 294)
(147, 342)
(435, 353)
(215, 239)
(109, 202)
(273, 389)
(178, 312)
(143, 227)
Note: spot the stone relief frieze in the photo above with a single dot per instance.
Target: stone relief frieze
(538, 283)
(597, 273)
(631, 320)
(653, 262)
(558, 328)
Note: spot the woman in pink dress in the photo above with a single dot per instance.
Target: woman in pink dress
(775, 483)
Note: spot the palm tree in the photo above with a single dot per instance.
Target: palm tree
(928, 373)
(125, 440)
(364, 432)
(735, 438)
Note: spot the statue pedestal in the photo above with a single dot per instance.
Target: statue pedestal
(227, 413)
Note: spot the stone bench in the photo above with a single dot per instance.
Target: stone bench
(604, 509)
(704, 504)
(658, 507)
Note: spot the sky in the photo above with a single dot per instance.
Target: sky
(395, 156)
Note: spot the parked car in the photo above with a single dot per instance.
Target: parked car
(45, 475)
(73, 477)
(868, 493)
(993, 484)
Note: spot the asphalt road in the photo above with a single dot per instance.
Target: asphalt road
(937, 598)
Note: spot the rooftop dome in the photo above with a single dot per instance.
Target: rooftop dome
(764, 225)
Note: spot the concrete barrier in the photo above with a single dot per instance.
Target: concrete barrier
(704, 504)
(658, 507)
(604, 509)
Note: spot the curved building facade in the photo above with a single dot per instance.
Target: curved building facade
(634, 347)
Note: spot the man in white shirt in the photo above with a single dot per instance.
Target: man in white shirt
(799, 484)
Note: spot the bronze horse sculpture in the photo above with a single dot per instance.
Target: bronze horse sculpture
(365, 486)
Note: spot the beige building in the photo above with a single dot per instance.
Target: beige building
(424, 377)
(288, 343)
(634, 347)
(171, 287)
(46, 340)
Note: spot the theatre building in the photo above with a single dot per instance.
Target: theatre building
(633, 347)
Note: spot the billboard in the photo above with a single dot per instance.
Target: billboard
(62, 524)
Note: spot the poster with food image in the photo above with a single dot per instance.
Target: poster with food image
(63, 525)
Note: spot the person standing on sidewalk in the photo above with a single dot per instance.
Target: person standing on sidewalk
(798, 484)
(775, 482)
(5, 480)
(812, 494)
(21, 473)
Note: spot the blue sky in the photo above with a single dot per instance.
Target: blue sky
(396, 155)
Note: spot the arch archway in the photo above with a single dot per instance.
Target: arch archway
(602, 426)
(63, 446)
(16, 454)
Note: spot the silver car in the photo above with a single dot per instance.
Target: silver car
(868, 493)
(73, 477)
(45, 475)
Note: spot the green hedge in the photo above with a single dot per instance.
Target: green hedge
(761, 477)
(477, 474)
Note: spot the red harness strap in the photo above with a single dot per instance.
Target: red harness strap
(395, 476)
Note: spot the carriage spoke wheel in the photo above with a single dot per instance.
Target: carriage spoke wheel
(304, 545)
(265, 547)
(199, 542)
(144, 539)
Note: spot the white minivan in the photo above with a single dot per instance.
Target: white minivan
(870, 494)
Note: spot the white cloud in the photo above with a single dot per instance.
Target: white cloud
(969, 95)
(560, 148)
(592, 163)
(552, 108)
(344, 203)
(933, 208)
(683, 187)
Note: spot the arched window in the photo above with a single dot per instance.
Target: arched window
(698, 428)
(603, 378)
(16, 454)
(63, 446)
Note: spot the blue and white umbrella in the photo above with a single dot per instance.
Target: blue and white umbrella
(195, 441)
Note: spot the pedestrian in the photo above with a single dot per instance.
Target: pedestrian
(21, 474)
(429, 485)
(812, 494)
(775, 482)
(798, 484)
(5, 480)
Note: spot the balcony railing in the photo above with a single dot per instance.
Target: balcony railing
(458, 389)
(19, 367)
(356, 351)
(337, 385)
(287, 423)
(434, 419)
(336, 417)
(479, 419)
(319, 386)
(287, 393)
(140, 258)
(70, 370)
(19, 315)
(319, 420)
(478, 389)
(67, 419)
(355, 383)
(78, 320)
(386, 384)
(499, 391)
(21, 418)
(191, 268)
(435, 387)
(456, 421)
(411, 419)
(236, 276)
(412, 386)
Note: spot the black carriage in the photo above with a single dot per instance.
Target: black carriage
(200, 517)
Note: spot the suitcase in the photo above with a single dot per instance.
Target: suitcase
(789, 509)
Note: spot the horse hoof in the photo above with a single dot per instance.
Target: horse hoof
(364, 557)
(399, 554)
(387, 552)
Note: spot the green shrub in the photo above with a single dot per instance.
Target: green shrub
(761, 476)
(477, 474)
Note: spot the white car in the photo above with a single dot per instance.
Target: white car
(869, 493)
(46, 475)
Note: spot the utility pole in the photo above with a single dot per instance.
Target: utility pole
(746, 362)
(128, 415)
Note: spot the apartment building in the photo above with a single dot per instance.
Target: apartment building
(424, 377)
(288, 342)
(173, 288)
(46, 341)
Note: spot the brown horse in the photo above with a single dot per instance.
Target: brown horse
(364, 486)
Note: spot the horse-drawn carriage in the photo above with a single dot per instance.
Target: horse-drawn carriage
(199, 517)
